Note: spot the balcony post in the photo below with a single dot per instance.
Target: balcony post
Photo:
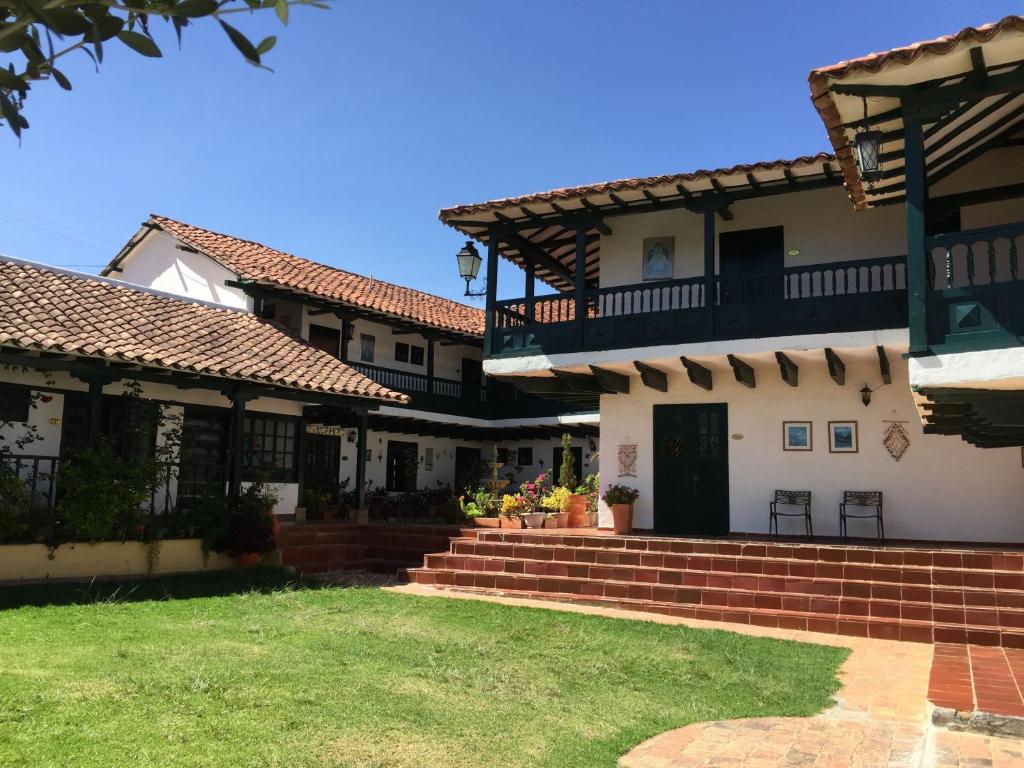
(492, 289)
(581, 281)
(530, 270)
(430, 365)
(360, 489)
(709, 273)
(238, 400)
(917, 272)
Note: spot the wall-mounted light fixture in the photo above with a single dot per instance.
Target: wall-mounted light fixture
(865, 395)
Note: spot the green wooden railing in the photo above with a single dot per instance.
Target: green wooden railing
(861, 294)
(976, 288)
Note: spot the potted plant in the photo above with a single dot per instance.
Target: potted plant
(577, 507)
(511, 509)
(475, 506)
(556, 503)
(245, 528)
(621, 499)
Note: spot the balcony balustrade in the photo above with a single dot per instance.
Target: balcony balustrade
(843, 296)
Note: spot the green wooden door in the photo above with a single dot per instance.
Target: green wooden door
(691, 469)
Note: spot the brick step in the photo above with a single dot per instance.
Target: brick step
(750, 565)
(835, 584)
(884, 627)
(733, 597)
(948, 556)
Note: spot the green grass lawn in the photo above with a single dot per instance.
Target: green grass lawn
(249, 670)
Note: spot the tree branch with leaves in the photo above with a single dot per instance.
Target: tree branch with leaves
(37, 34)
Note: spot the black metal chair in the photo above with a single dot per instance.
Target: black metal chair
(801, 499)
(866, 500)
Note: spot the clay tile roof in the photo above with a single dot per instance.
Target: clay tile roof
(886, 66)
(906, 54)
(259, 262)
(635, 184)
(54, 310)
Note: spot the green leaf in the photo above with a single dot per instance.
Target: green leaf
(281, 8)
(196, 8)
(65, 21)
(62, 81)
(266, 44)
(241, 42)
(11, 81)
(140, 44)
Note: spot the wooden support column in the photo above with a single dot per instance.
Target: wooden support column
(492, 290)
(581, 282)
(360, 488)
(95, 408)
(238, 400)
(347, 332)
(917, 268)
(530, 279)
(430, 365)
(709, 273)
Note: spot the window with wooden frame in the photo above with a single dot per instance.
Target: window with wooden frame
(271, 448)
(524, 457)
(401, 352)
(366, 345)
(416, 355)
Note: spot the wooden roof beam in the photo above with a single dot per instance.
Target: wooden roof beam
(698, 374)
(883, 365)
(743, 372)
(651, 376)
(789, 370)
(836, 367)
(611, 381)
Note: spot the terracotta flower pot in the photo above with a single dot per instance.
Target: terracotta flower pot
(577, 511)
(249, 559)
(550, 522)
(487, 522)
(510, 522)
(562, 520)
(622, 518)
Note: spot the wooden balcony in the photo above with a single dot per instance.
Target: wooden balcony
(866, 294)
(976, 295)
(491, 400)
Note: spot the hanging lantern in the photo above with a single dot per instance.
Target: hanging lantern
(867, 147)
(865, 395)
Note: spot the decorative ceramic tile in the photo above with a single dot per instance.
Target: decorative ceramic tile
(627, 460)
(895, 439)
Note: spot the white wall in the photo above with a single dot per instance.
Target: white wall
(941, 489)
(157, 263)
(821, 224)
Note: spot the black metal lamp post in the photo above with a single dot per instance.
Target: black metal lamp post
(469, 266)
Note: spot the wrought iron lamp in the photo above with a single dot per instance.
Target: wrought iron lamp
(865, 395)
(469, 266)
(867, 146)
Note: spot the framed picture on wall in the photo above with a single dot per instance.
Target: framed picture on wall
(842, 437)
(797, 436)
(659, 255)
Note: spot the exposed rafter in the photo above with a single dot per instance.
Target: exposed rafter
(743, 372)
(883, 365)
(789, 370)
(652, 377)
(698, 374)
(611, 381)
(836, 367)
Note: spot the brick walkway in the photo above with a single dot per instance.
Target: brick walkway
(971, 677)
(880, 719)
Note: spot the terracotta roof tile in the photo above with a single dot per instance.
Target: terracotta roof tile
(45, 309)
(940, 46)
(256, 261)
(620, 185)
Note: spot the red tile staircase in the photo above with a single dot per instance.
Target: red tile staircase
(914, 593)
(323, 547)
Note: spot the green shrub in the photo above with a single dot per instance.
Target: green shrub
(567, 472)
(245, 524)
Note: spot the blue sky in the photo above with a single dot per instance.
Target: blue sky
(380, 112)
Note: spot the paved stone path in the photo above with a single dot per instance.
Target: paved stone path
(880, 720)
